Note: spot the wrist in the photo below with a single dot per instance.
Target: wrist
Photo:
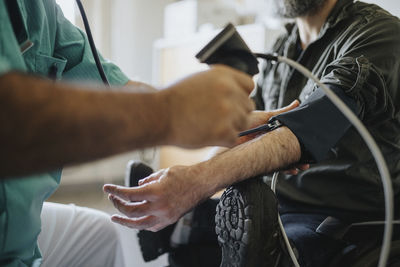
(216, 174)
(204, 181)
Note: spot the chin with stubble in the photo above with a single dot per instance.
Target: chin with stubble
(297, 8)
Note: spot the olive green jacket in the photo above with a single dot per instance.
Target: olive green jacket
(357, 50)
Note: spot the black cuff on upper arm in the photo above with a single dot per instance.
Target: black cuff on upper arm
(318, 124)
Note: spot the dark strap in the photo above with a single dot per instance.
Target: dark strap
(17, 23)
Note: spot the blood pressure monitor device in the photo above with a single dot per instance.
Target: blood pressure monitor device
(228, 48)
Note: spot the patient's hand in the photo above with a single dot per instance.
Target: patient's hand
(160, 199)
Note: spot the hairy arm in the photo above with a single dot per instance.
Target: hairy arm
(139, 87)
(46, 125)
(170, 193)
(273, 151)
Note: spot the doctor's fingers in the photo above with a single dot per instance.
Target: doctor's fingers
(295, 169)
(244, 80)
(238, 102)
(244, 101)
(241, 122)
(138, 193)
(287, 108)
(139, 223)
(239, 119)
(131, 209)
(303, 167)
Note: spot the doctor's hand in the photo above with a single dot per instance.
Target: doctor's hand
(160, 199)
(209, 107)
(258, 118)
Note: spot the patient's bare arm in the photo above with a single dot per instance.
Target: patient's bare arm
(170, 193)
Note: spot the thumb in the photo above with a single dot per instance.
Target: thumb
(289, 107)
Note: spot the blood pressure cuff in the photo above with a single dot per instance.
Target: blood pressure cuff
(317, 123)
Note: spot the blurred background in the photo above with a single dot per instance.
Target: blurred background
(154, 41)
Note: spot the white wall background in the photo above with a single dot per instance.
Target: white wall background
(125, 30)
(393, 6)
(136, 24)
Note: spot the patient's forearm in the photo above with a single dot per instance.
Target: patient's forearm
(168, 194)
(269, 152)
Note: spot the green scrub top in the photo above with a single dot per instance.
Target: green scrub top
(60, 46)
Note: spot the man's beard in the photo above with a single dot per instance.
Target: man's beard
(297, 8)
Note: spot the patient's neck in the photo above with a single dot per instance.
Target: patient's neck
(310, 25)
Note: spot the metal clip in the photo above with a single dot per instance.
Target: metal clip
(263, 128)
(25, 46)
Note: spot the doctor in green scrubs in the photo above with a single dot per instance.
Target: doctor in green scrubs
(33, 26)
(46, 125)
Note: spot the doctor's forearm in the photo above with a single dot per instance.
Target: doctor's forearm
(45, 125)
(139, 87)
